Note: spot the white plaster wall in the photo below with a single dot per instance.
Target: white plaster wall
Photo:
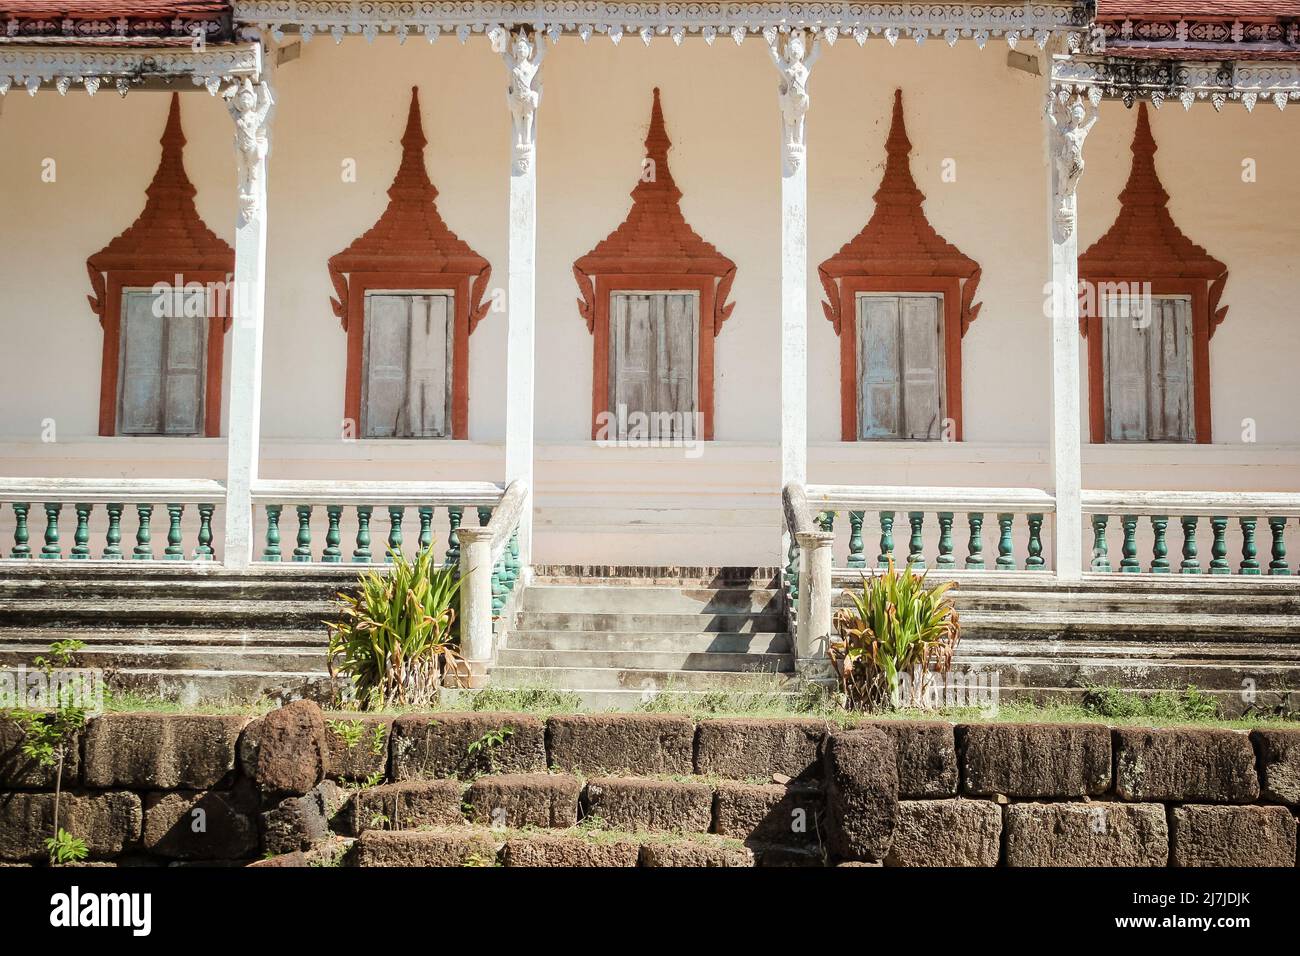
(644, 505)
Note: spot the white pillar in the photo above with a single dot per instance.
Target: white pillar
(250, 107)
(523, 58)
(1066, 127)
(813, 619)
(476, 602)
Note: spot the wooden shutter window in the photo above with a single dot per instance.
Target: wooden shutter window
(900, 367)
(407, 387)
(654, 360)
(1148, 370)
(161, 374)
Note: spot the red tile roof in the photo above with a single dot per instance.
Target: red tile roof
(1196, 9)
(83, 20)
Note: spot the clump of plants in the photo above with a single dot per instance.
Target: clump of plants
(396, 639)
(894, 638)
(1166, 705)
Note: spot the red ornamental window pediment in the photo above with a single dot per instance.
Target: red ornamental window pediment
(410, 249)
(899, 252)
(655, 261)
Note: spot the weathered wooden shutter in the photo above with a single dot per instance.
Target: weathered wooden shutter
(1172, 418)
(653, 365)
(407, 391)
(900, 367)
(161, 372)
(1148, 373)
(1127, 374)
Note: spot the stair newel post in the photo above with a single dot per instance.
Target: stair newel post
(204, 551)
(916, 544)
(1035, 561)
(302, 552)
(361, 553)
(395, 513)
(426, 527)
(975, 543)
(454, 515)
(1219, 547)
(1128, 563)
(81, 537)
(113, 536)
(813, 617)
(1006, 544)
(272, 550)
(945, 559)
(476, 599)
(1190, 563)
(1159, 547)
(1249, 553)
(52, 549)
(333, 554)
(143, 538)
(174, 550)
(1100, 546)
(21, 548)
(857, 553)
(886, 555)
(1278, 565)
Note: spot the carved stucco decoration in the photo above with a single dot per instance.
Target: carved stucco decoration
(250, 107)
(1069, 124)
(1131, 79)
(795, 65)
(64, 67)
(523, 57)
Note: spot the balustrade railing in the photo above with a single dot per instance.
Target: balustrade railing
(92, 519)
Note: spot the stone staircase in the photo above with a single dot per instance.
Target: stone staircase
(621, 636)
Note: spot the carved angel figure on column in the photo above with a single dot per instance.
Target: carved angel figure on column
(523, 59)
(250, 106)
(1067, 153)
(795, 70)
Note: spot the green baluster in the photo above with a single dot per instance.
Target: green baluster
(113, 537)
(81, 537)
(514, 558)
(484, 515)
(1219, 549)
(1100, 548)
(1278, 565)
(272, 550)
(303, 551)
(361, 554)
(792, 569)
(1249, 559)
(333, 554)
(454, 515)
(1035, 562)
(426, 527)
(825, 520)
(52, 549)
(498, 590)
(1159, 548)
(945, 559)
(204, 551)
(21, 536)
(1006, 545)
(1129, 563)
(1190, 564)
(395, 513)
(886, 539)
(143, 539)
(857, 552)
(174, 551)
(916, 544)
(975, 543)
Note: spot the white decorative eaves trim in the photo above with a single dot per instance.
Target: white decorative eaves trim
(1160, 80)
(1036, 22)
(61, 68)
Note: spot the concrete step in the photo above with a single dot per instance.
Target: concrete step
(164, 612)
(674, 575)
(651, 681)
(1120, 602)
(645, 660)
(200, 588)
(646, 600)
(649, 623)
(196, 636)
(717, 642)
(135, 656)
(1268, 652)
(1153, 626)
(1106, 583)
(1028, 672)
(190, 687)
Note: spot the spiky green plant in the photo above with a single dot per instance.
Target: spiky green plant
(896, 627)
(396, 638)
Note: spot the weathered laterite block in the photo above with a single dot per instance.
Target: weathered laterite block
(425, 848)
(1206, 766)
(108, 822)
(358, 746)
(862, 796)
(926, 752)
(621, 743)
(457, 745)
(1233, 836)
(300, 823)
(1278, 753)
(285, 752)
(524, 800)
(741, 748)
(204, 825)
(1086, 834)
(18, 772)
(408, 805)
(544, 849)
(162, 751)
(696, 853)
(1035, 760)
(946, 833)
(632, 804)
(771, 814)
